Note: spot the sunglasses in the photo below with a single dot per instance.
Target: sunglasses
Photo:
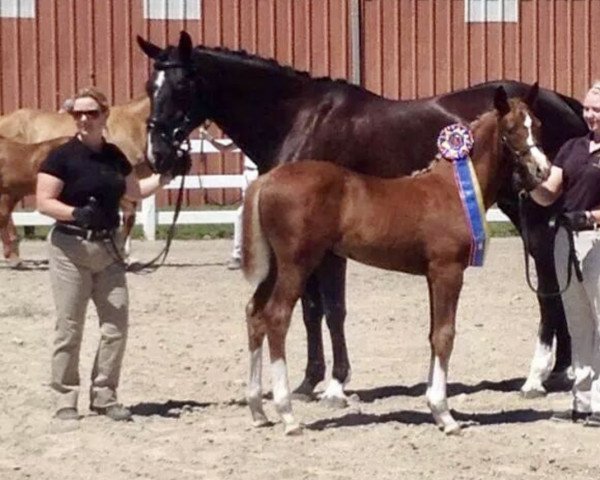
(87, 113)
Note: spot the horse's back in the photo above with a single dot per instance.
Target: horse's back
(20, 162)
(14, 125)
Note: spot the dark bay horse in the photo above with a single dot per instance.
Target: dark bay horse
(277, 115)
(126, 127)
(298, 212)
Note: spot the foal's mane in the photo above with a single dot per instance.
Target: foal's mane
(473, 126)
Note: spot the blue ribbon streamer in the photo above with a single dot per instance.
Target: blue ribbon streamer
(473, 207)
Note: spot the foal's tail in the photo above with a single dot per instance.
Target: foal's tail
(255, 248)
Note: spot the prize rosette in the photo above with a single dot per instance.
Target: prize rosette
(455, 141)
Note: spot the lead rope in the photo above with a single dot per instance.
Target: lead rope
(152, 265)
(572, 261)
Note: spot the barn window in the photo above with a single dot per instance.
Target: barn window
(172, 9)
(17, 8)
(492, 10)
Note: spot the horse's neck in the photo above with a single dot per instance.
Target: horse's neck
(487, 158)
(255, 106)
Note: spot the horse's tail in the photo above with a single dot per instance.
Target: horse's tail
(256, 252)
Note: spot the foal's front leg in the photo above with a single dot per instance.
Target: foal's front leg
(445, 283)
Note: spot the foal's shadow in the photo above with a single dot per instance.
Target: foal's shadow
(168, 409)
(408, 417)
(417, 390)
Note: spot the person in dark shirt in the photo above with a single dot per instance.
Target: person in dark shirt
(80, 185)
(575, 176)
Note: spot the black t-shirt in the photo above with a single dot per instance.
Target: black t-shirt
(87, 173)
(581, 174)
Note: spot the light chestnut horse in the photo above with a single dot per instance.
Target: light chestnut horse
(297, 213)
(19, 164)
(126, 127)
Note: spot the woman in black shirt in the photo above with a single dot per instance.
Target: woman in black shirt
(575, 176)
(80, 185)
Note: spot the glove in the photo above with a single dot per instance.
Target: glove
(578, 220)
(88, 216)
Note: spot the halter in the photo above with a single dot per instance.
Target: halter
(177, 137)
(518, 154)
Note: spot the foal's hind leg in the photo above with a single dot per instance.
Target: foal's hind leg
(277, 316)
(444, 288)
(256, 334)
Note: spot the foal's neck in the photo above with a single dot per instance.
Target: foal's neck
(486, 156)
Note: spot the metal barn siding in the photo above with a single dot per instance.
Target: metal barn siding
(74, 43)
(418, 48)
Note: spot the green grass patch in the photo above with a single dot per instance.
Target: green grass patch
(503, 229)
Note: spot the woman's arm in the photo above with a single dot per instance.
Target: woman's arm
(138, 189)
(549, 191)
(47, 192)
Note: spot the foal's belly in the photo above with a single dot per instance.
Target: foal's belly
(407, 260)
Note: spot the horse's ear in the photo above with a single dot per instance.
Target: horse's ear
(148, 48)
(501, 101)
(185, 46)
(532, 94)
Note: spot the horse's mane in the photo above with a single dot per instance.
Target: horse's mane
(269, 64)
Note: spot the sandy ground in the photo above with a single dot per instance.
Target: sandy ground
(185, 370)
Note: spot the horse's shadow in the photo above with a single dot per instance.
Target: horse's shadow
(168, 409)
(417, 390)
(409, 417)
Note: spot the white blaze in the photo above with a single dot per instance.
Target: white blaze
(158, 83)
(540, 158)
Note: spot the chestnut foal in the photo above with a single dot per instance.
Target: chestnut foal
(298, 212)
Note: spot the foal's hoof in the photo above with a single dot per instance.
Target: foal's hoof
(263, 422)
(293, 429)
(452, 429)
(334, 403)
(533, 393)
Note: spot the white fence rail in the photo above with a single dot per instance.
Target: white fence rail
(150, 218)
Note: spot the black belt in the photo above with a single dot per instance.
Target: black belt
(84, 233)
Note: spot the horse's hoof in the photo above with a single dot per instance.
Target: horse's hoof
(293, 429)
(452, 429)
(533, 393)
(559, 382)
(304, 391)
(335, 403)
(302, 397)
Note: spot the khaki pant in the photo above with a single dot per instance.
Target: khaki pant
(80, 270)
(582, 309)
